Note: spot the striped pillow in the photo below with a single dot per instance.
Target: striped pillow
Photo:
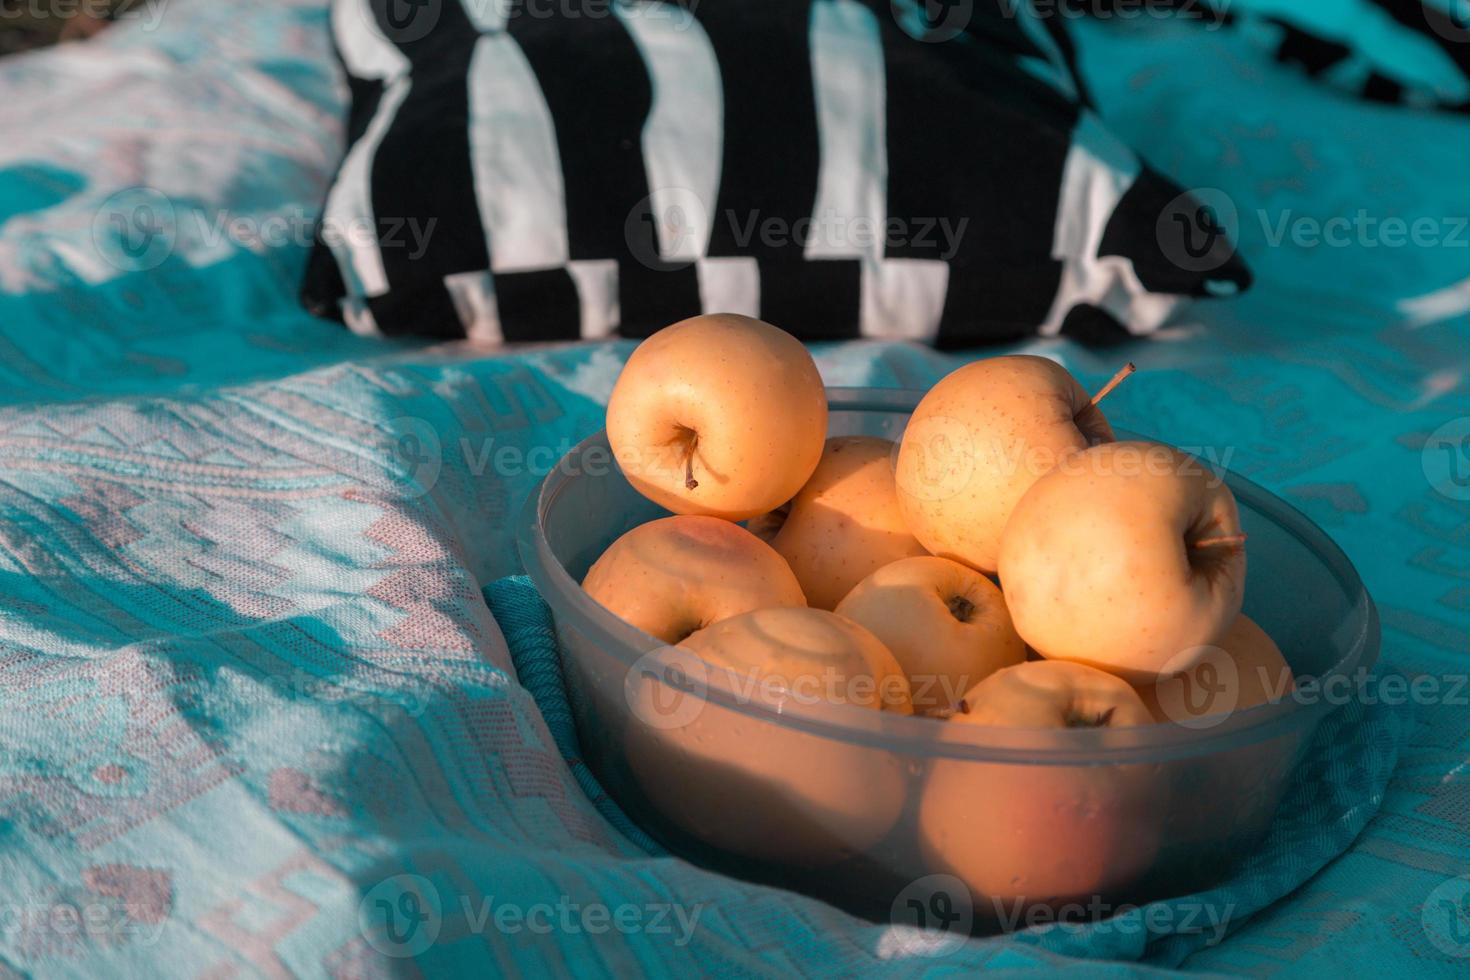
(558, 169)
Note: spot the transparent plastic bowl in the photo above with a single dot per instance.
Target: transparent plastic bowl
(855, 806)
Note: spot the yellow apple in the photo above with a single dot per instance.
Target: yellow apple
(806, 656)
(1244, 670)
(1022, 834)
(1128, 557)
(947, 625)
(976, 443)
(1223, 802)
(676, 575)
(765, 790)
(720, 415)
(844, 523)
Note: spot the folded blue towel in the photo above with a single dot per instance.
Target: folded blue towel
(1332, 796)
(526, 622)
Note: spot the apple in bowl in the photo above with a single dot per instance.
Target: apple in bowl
(674, 576)
(978, 440)
(1241, 670)
(844, 523)
(947, 625)
(721, 415)
(1221, 804)
(1125, 557)
(802, 800)
(1023, 835)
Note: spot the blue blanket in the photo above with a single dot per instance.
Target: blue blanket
(255, 716)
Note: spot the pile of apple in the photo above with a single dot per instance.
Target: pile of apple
(1007, 563)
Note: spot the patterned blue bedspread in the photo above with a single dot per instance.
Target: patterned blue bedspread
(246, 675)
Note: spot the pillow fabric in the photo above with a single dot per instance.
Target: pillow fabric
(524, 170)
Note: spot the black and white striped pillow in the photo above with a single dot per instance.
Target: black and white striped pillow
(552, 169)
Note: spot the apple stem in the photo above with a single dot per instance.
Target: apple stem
(1231, 540)
(1116, 380)
(690, 439)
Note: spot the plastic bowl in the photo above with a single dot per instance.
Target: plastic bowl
(856, 806)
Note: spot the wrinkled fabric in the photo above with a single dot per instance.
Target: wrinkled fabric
(253, 706)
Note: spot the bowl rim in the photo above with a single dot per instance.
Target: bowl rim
(931, 737)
